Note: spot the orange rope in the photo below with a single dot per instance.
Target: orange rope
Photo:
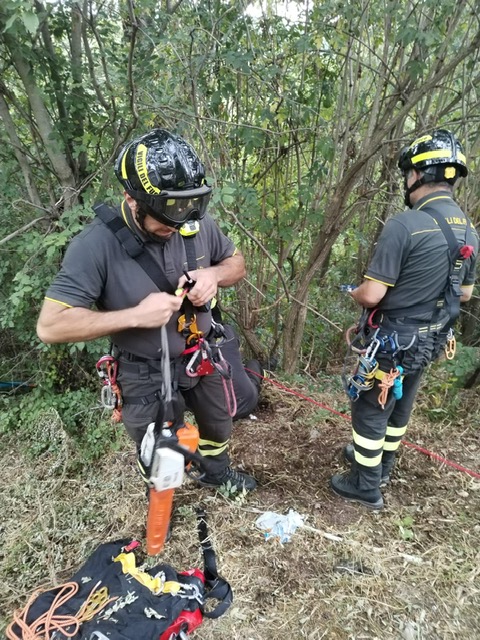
(117, 412)
(44, 626)
(385, 384)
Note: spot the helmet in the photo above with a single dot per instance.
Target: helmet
(439, 156)
(163, 171)
(440, 148)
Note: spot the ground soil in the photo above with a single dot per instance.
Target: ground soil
(410, 571)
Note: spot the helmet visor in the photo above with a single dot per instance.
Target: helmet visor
(174, 208)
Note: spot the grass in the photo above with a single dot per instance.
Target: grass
(411, 571)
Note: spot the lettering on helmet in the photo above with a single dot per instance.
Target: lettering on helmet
(420, 140)
(142, 171)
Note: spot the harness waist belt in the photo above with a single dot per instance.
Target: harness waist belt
(132, 357)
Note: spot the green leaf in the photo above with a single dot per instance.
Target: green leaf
(30, 21)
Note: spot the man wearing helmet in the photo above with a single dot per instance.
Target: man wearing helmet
(165, 193)
(422, 268)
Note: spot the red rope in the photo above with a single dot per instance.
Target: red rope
(431, 454)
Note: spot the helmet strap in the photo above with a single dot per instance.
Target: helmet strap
(438, 175)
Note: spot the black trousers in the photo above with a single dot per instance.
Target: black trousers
(377, 431)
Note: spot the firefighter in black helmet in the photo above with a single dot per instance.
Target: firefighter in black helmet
(164, 214)
(422, 268)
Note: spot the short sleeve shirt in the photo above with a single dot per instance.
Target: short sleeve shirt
(412, 255)
(96, 271)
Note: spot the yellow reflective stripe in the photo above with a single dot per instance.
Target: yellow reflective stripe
(124, 163)
(437, 153)
(391, 446)
(380, 281)
(368, 462)
(396, 431)
(211, 443)
(367, 443)
(142, 171)
(212, 452)
(64, 304)
(433, 199)
(124, 214)
(219, 447)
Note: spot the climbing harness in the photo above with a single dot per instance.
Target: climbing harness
(208, 359)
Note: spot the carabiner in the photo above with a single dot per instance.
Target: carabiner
(192, 373)
(450, 345)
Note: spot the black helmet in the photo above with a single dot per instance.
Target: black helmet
(439, 148)
(162, 170)
(439, 156)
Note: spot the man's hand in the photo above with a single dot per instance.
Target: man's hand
(156, 310)
(205, 288)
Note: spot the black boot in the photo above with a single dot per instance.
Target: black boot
(349, 456)
(238, 479)
(360, 485)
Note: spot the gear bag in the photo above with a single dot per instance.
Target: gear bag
(112, 599)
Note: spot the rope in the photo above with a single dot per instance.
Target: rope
(385, 384)
(43, 627)
(426, 452)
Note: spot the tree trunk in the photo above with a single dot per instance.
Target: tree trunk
(45, 126)
(17, 150)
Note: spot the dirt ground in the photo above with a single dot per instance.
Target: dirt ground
(410, 571)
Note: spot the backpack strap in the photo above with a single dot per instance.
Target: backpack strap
(134, 246)
(217, 588)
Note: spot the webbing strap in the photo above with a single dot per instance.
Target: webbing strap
(133, 246)
(452, 283)
(189, 243)
(218, 588)
(453, 244)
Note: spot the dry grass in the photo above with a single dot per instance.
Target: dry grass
(409, 572)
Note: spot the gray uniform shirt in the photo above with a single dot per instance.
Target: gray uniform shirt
(412, 257)
(96, 270)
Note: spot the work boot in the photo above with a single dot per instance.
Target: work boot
(349, 456)
(345, 487)
(238, 479)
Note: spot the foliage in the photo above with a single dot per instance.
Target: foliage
(299, 139)
(42, 419)
(443, 381)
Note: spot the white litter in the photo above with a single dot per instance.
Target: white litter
(276, 525)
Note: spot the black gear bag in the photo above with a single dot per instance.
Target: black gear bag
(110, 598)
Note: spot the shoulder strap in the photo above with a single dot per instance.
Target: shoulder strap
(134, 246)
(189, 243)
(453, 243)
(452, 290)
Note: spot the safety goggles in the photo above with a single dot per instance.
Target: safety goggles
(174, 208)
